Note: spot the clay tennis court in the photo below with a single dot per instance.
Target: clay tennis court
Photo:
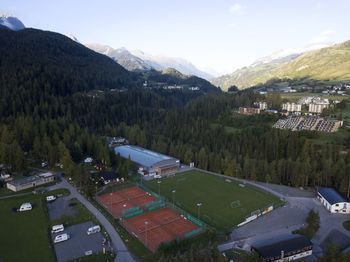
(156, 227)
(121, 200)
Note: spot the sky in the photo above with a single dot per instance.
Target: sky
(219, 35)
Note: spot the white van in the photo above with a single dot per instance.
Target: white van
(93, 230)
(25, 207)
(57, 228)
(60, 238)
(50, 198)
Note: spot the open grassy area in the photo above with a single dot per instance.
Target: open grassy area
(224, 204)
(82, 215)
(346, 225)
(294, 97)
(25, 235)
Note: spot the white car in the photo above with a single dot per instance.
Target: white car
(60, 238)
(50, 198)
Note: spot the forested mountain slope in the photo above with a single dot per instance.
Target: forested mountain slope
(330, 63)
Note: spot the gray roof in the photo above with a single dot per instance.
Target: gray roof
(141, 156)
(331, 195)
(30, 179)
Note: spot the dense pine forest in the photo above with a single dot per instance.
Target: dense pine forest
(201, 129)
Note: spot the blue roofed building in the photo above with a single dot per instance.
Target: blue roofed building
(150, 163)
(333, 201)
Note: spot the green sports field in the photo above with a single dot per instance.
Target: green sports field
(224, 204)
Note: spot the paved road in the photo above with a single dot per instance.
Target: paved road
(123, 255)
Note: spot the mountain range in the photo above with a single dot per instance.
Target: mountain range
(138, 60)
(329, 63)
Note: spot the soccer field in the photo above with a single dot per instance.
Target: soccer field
(224, 204)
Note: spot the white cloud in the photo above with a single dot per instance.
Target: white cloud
(235, 8)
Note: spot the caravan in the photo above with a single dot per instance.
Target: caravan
(57, 228)
(61, 238)
(25, 207)
(93, 230)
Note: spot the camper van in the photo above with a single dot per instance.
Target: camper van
(50, 198)
(93, 230)
(25, 207)
(60, 238)
(57, 228)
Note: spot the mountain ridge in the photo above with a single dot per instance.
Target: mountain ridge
(328, 63)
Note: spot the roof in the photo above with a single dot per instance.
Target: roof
(141, 156)
(30, 179)
(331, 195)
(286, 243)
(108, 175)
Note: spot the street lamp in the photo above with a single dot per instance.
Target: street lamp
(174, 191)
(199, 208)
(146, 223)
(124, 206)
(159, 182)
(110, 200)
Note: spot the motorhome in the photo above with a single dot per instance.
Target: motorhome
(50, 198)
(57, 228)
(25, 207)
(60, 238)
(93, 230)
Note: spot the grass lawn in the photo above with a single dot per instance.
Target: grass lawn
(25, 235)
(224, 204)
(346, 225)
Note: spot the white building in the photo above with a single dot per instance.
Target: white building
(318, 107)
(333, 201)
(261, 105)
(291, 107)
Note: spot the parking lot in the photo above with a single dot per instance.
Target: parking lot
(61, 207)
(78, 243)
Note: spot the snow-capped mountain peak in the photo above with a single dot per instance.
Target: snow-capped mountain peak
(11, 22)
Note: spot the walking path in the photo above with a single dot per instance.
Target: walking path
(123, 254)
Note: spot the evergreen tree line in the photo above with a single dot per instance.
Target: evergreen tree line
(191, 127)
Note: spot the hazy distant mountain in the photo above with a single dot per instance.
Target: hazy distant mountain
(180, 64)
(329, 63)
(138, 60)
(122, 56)
(11, 22)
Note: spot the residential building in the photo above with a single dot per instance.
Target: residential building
(150, 163)
(283, 248)
(106, 177)
(318, 107)
(261, 105)
(30, 182)
(333, 201)
(249, 111)
(291, 107)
